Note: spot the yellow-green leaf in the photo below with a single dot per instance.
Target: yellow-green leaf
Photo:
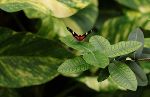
(123, 48)
(58, 8)
(75, 65)
(96, 58)
(123, 76)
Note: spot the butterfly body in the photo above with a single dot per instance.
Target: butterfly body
(78, 37)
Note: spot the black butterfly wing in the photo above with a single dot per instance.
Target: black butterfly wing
(79, 37)
(87, 33)
(73, 33)
(69, 29)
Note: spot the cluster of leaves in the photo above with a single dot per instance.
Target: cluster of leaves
(119, 20)
(98, 52)
(35, 56)
(128, 16)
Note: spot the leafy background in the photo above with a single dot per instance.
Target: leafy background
(31, 50)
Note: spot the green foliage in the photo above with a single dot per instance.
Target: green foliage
(123, 48)
(98, 55)
(118, 28)
(75, 65)
(39, 47)
(81, 46)
(123, 75)
(100, 43)
(96, 58)
(103, 74)
(84, 20)
(104, 86)
(21, 53)
(15, 5)
(75, 4)
(140, 75)
(142, 52)
(25, 46)
(141, 5)
(52, 26)
(137, 35)
(147, 43)
(46, 7)
(145, 66)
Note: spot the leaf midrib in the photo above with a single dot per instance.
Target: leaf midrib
(91, 53)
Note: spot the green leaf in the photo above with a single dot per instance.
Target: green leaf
(100, 43)
(123, 48)
(103, 75)
(16, 5)
(137, 35)
(115, 29)
(139, 73)
(147, 42)
(145, 65)
(123, 76)
(52, 27)
(19, 71)
(48, 28)
(66, 8)
(75, 4)
(27, 60)
(96, 58)
(47, 7)
(91, 56)
(83, 20)
(75, 65)
(141, 5)
(106, 85)
(81, 46)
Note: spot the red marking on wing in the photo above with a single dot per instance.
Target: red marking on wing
(79, 37)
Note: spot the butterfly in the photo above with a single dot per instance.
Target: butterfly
(78, 37)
